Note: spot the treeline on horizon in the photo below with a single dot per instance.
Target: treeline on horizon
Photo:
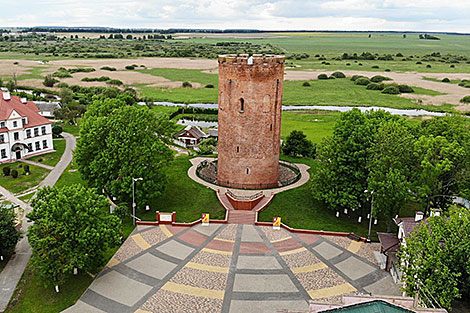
(58, 29)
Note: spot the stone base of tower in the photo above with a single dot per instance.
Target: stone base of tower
(236, 185)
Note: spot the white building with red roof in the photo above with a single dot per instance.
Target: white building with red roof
(23, 131)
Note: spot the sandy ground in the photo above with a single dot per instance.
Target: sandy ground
(453, 92)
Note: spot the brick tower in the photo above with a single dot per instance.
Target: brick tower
(250, 101)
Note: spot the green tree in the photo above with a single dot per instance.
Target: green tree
(120, 142)
(9, 236)
(66, 96)
(49, 81)
(11, 86)
(71, 229)
(297, 144)
(207, 146)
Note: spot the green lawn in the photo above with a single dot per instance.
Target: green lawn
(71, 129)
(27, 197)
(70, 176)
(315, 124)
(22, 182)
(53, 157)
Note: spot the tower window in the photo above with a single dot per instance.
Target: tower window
(247, 171)
(238, 149)
(242, 105)
(271, 127)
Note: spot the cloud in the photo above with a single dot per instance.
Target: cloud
(418, 15)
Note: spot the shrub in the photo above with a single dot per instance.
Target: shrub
(452, 65)
(14, 173)
(387, 70)
(209, 86)
(419, 62)
(331, 77)
(360, 64)
(26, 168)
(187, 85)
(327, 63)
(446, 80)
(306, 84)
(62, 85)
(375, 66)
(428, 66)
(399, 55)
(130, 67)
(6, 171)
(40, 160)
(391, 90)
(49, 81)
(57, 130)
(375, 86)
(465, 99)
(116, 82)
(355, 77)
(405, 89)
(322, 76)
(379, 78)
(108, 68)
(62, 74)
(338, 75)
(363, 81)
(348, 64)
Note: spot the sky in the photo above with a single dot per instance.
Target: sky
(379, 15)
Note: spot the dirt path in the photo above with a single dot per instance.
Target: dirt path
(453, 93)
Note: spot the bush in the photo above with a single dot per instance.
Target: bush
(209, 86)
(452, 65)
(465, 99)
(14, 173)
(306, 84)
(108, 68)
(62, 85)
(428, 66)
(355, 77)
(363, 81)
(6, 171)
(57, 130)
(405, 89)
(375, 66)
(419, 62)
(348, 64)
(375, 86)
(62, 74)
(387, 70)
(130, 67)
(322, 76)
(187, 85)
(446, 80)
(360, 64)
(338, 75)
(26, 169)
(331, 77)
(49, 81)
(391, 90)
(379, 78)
(115, 82)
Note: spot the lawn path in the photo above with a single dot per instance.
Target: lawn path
(11, 274)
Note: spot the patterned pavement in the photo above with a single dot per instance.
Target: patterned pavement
(231, 268)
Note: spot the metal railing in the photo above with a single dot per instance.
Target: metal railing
(245, 198)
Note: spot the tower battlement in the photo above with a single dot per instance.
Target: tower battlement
(255, 59)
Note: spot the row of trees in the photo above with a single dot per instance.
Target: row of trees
(396, 159)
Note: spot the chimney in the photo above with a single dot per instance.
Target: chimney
(6, 96)
(435, 212)
(419, 216)
(24, 100)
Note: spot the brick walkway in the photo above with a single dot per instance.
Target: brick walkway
(231, 268)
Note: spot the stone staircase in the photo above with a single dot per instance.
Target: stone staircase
(243, 216)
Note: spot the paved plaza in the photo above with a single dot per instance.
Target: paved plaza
(231, 268)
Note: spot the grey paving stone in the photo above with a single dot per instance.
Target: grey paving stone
(327, 251)
(207, 230)
(175, 249)
(354, 268)
(117, 287)
(385, 286)
(263, 283)
(243, 306)
(249, 234)
(263, 262)
(81, 307)
(151, 265)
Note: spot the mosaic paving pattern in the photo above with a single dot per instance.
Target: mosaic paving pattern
(231, 268)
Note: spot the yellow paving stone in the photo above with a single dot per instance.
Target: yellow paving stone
(279, 240)
(331, 291)
(309, 268)
(194, 291)
(142, 311)
(226, 240)
(293, 251)
(112, 262)
(355, 246)
(209, 268)
(165, 230)
(140, 241)
(217, 251)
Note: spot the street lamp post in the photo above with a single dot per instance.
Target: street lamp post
(133, 197)
(370, 215)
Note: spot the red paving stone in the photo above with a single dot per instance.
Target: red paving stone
(287, 245)
(220, 245)
(254, 248)
(175, 229)
(308, 238)
(193, 238)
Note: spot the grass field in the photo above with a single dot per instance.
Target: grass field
(53, 157)
(22, 182)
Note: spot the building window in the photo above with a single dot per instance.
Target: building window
(36, 132)
(28, 133)
(37, 144)
(4, 153)
(2, 138)
(2, 124)
(15, 124)
(271, 127)
(43, 130)
(16, 135)
(44, 144)
(238, 149)
(247, 171)
(24, 121)
(30, 147)
(242, 105)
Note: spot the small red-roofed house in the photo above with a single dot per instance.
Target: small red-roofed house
(23, 131)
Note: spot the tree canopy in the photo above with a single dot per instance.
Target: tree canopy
(72, 229)
(9, 236)
(297, 144)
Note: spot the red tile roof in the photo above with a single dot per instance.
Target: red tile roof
(27, 109)
(409, 224)
(389, 242)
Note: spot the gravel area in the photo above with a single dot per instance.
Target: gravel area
(153, 236)
(228, 233)
(367, 252)
(213, 259)
(343, 242)
(273, 235)
(128, 249)
(320, 279)
(199, 278)
(303, 258)
(167, 301)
